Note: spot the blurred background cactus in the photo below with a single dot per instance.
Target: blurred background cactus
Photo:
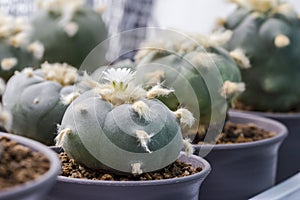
(68, 30)
(37, 99)
(121, 127)
(17, 51)
(188, 66)
(268, 33)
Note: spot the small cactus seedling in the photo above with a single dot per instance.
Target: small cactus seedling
(120, 126)
(37, 99)
(68, 29)
(16, 50)
(190, 66)
(268, 32)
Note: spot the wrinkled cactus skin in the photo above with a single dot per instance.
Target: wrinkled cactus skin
(271, 81)
(181, 67)
(59, 47)
(35, 105)
(97, 124)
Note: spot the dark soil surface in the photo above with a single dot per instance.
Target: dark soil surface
(239, 133)
(73, 170)
(19, 164)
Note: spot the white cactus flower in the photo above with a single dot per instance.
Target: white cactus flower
(119, 87)
(119, 77)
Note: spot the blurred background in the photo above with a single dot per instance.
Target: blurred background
(189, 15)
(120, 15)
(195, 15)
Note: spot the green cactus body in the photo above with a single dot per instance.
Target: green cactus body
(269, 35)
(16, 52)
(5, 116)
(37, 102)
(121, 127)
(68, 36)
(185, 71)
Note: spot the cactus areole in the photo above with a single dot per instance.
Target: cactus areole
(37, 99)
(268, 32)
(203, 74)
(16, 49)
(121, 127)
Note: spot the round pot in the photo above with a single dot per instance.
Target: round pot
(186, 188)
(240, 171)
(38, 188)
(289, 152)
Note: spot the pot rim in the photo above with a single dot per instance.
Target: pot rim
(278, 115)
(206, 168)
(31, 186)
(281, 134)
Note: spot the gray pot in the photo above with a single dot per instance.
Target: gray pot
(289, 153)
(184, 188)
(240, 171)
(36, 189)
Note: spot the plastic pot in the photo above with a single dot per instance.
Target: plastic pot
(240, 171)
(38, 188)
(186, 188)
(289, 153)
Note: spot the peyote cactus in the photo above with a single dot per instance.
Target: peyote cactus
(5, 116)
(16, 50)
(189, 66)
(119, 126)
(68, 29)
(37, 99)
(268, 32)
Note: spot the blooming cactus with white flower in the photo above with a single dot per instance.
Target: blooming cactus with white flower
(37, 99)
(16, 49)
(268, 32)
(68, 30)
(122, 127)
(198, 69)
